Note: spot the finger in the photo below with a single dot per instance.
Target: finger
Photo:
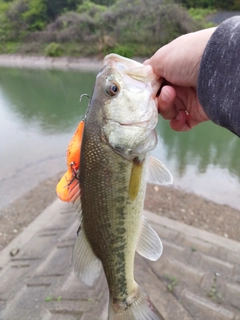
(157, 61)
(180, 122)
(166, 100)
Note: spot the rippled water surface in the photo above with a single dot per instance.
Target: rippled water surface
(40, 110)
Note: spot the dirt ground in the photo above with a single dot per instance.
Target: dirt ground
(166, 201)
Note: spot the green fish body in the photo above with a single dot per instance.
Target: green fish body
(114, 168)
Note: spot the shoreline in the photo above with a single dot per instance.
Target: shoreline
(42, 62)
(60, 63)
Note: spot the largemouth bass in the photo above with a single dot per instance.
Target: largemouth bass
(108, 169)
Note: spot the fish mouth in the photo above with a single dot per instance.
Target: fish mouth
(144, 127)
(147, 124)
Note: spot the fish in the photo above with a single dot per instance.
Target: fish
(109, 165)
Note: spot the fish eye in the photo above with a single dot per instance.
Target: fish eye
(112, 89)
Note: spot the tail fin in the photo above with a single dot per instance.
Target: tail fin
(137, 308)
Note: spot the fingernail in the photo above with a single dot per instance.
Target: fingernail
(165, 95)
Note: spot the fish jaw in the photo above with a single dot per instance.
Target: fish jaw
(131, 142)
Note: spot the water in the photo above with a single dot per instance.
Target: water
(40, 110)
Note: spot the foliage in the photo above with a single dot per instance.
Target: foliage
(35, 15)
(122, 50)
(9, 47)
(216, 4)
(90, 8)
(200, 14)
(53, 50)
(149, 23)
(199, 3)
(3, 7)
(104, 2)
(136, 27)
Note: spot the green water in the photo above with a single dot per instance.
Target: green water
(40, 110)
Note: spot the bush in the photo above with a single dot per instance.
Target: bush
(200, 14)
(136, 27)
(124, 51)
(91, 8)
(53, 50)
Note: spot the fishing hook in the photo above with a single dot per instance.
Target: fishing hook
(84, 95)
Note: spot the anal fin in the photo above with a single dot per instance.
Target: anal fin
(87, 266)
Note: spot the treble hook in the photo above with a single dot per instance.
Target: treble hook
(84, 95)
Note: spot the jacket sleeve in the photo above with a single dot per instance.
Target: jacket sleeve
(218, 85)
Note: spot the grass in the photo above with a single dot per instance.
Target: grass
(194, 249)
(214, 294)
(172, 282)
(200, 15)
(9, 47)
(50, 298)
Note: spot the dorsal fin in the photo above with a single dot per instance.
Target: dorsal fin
(68, 188)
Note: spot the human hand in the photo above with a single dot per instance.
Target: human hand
(178, 63)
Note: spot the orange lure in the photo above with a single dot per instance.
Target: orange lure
(68, 188)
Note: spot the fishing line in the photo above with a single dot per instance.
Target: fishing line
(62, 87)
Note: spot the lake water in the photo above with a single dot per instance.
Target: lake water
(40, 110)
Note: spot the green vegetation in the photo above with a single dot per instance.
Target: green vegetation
(97, 27)
(53, 50)
(50, 298)
(214, 294)
(200, 14)
(194, 249)
(218, 4)
(172, 282)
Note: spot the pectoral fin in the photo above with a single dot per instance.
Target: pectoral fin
(149, 244)
(87, 266)
(135, 181)
(158, 173)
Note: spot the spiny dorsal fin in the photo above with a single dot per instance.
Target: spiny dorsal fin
(68, 188)
(158, 173)
(149, 244)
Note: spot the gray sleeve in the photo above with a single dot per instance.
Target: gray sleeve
(218, 84)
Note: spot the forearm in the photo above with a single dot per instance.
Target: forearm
(218, 84)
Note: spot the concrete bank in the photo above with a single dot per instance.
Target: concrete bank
(41, 62)
(197, 277)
